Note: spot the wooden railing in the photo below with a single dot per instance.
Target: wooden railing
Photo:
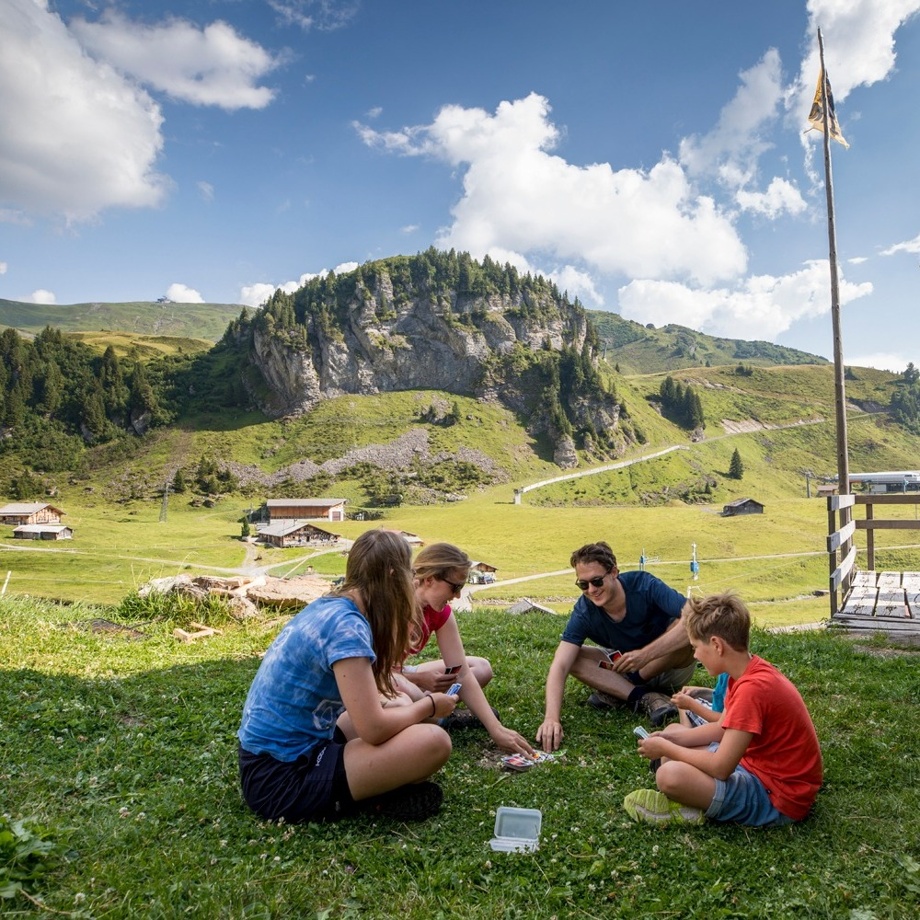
(841, 527)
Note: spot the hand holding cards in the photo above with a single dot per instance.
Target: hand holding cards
(608, 662)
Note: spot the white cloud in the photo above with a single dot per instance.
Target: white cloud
(759, 307)
(857, 260)
(213, 65)
(409, 228)
(325, 16)
(737, 140)
(77, 137)
(3, 268)
(206, 190)
(255, 295)
(858, 48)
(780, 197)
(41, 296)
(181, 293)
(520, 197)
(883, 361)
(576, 283)
(912, 246)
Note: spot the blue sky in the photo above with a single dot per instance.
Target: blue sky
(649, 157)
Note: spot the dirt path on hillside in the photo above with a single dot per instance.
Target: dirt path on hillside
(732, 429)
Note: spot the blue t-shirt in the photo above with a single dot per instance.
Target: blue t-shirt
(651, 607)
(294, 699)
(718, 693)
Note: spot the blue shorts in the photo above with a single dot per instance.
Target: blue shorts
(312, 788)
(743, 799)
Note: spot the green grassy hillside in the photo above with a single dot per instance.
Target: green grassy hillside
(646, 349)
(182, 320)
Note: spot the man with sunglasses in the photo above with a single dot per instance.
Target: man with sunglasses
(642, 654)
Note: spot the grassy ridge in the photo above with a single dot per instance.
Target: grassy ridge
(183, 320)
(638, 348)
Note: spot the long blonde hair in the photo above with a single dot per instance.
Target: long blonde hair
(379, 570)
(438, 559)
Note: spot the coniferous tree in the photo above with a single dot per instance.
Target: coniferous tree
(736, 467)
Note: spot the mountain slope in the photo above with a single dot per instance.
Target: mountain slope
(183, 320)
(639, 349)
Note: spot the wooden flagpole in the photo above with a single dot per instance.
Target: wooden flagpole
(843, 463)
(845, 512)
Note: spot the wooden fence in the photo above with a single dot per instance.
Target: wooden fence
(865, 599)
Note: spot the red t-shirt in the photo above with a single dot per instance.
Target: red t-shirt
(784, 753)
(432, 621)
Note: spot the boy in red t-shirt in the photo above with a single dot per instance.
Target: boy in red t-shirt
(760, 763)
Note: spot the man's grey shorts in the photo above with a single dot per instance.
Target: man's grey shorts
(669, 682)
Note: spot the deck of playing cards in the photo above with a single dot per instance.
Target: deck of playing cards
(520, 763)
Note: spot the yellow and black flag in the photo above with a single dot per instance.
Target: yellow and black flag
(816, 115)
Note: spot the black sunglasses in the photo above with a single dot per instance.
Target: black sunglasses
(596, 582)
(457, 588)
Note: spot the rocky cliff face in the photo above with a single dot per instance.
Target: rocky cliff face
(387, 337)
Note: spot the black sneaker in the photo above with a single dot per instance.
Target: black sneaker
(463, 718)
(658, 708)
(600, 700)
(412, 802)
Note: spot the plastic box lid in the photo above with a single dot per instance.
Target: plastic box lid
(517, 829)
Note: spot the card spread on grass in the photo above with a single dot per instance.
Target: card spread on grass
(521, 762)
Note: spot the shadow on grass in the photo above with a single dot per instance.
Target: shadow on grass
(137, 775)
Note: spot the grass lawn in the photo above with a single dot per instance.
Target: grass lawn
(124, 751)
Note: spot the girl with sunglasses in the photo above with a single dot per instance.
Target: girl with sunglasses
(441, 571)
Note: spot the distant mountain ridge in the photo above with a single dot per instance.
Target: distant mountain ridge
(183, 320)
(636, 348)
(639, 349)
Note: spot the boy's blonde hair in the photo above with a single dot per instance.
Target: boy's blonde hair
(722, 615)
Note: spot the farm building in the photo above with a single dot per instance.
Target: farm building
(43, 532)
(481, 573)
(305, 509)
(742, 506)
(295, 533)
(413, 539)
(17, 513)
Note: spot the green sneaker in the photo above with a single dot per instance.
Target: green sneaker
(655, 807)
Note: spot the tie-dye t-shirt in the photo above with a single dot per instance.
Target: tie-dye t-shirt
(294, 699)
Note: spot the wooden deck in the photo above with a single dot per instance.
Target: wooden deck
(882, 602)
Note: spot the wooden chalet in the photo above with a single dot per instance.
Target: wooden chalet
(43, 532)
(296, 533)
(305, 509)
(17, 513)
(742, 506)
(481, 573)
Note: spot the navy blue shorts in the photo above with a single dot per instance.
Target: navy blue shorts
(312, 788)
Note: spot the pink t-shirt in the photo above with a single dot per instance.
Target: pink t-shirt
(432, 621)
(784, 753)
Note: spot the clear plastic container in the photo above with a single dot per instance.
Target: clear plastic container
(517, 830)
